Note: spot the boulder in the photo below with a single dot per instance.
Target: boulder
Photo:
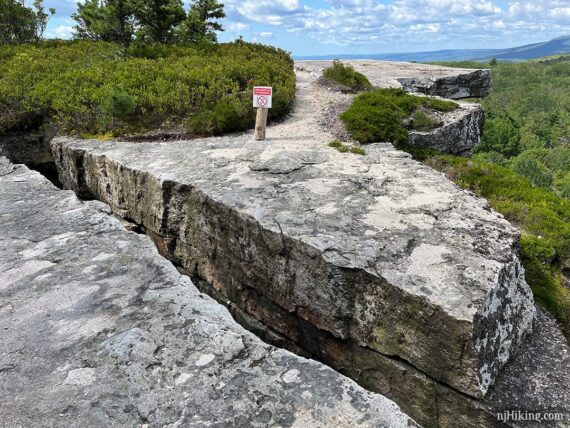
(464, 84)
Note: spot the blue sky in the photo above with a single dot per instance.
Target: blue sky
(319, 27)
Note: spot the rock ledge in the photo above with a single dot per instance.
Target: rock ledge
(97, 329)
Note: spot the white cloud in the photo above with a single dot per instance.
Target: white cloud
(560, 14)
(61, 32)
(236, 27)
(386, 25)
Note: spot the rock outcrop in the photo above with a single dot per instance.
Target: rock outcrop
(97, 329)
(433, 80)
(461, 130)
(362, 251)
(467, 84)
(459, 133)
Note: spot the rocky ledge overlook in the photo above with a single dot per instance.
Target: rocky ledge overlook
(427, 79)
(460, 130)
(376, 265)
(99, 330)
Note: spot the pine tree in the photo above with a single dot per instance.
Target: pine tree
(200, 24)
(121, 19)
(110, 20)
(158, 19)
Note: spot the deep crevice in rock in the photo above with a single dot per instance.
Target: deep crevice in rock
(31, 148)
(311, 342)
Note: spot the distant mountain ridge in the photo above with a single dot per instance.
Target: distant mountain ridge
(560, 45)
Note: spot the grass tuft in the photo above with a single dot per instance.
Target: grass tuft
(343, 148)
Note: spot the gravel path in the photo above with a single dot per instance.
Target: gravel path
(314, 120)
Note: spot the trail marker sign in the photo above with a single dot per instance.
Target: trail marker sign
(262, 96)
(262, 100)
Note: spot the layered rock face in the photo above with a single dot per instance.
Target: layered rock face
(459, 134)
(382, 259)
(97, 329)
(468, 84)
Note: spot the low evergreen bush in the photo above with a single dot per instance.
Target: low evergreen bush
(100, 88)
(379, 115)
(347, 77)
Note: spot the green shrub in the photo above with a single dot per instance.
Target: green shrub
(545, 167)
(378, 115)
(422, 122)
(118, 103)
(500, 135)
(562, 185)
(536, 256)
(347, 77)
(97, 88)
(491, 157)
(337, 144)
(357, 150)
(534, 170)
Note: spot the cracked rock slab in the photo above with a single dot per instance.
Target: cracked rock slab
(378, 249)
(97, 329)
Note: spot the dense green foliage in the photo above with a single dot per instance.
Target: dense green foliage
(111, 21)
(347, 77)
(22, 24)
(422, 122)
(158, 21)
(528, 121)
(378, 115)
(201, 24)
(543, 217)
(100, 88)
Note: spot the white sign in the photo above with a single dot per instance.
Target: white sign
(262, 96)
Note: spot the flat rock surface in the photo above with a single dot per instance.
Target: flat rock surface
(455, 83)
(445, 290)
(96, 329)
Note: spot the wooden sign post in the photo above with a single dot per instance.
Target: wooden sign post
(262, 101)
